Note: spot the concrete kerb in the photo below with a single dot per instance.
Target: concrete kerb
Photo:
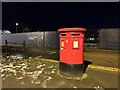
(102, 49)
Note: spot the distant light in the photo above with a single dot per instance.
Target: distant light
(6, 31)
(16, 23)
(91, 39)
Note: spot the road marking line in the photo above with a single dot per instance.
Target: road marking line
(104, 68)
(50, 60)
(91, 66)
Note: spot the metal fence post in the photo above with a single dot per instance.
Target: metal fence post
(6, 46)
(24, 46)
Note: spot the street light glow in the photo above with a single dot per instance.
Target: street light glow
(16, 23)
(16, 27)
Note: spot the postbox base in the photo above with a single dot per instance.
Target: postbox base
(72, 70)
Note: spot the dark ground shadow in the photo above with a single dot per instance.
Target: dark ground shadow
(86, 63)
(12, 50)
(44, 52)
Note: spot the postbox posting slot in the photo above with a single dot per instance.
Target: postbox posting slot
(75, 44)
(75, 34)
(63, 34)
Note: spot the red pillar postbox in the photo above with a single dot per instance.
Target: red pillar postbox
(71, 51)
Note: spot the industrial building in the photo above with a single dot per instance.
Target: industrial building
(109, 38)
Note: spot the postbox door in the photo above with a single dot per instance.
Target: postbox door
(62, 44)
(75, 44)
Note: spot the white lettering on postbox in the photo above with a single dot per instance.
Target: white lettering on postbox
(62, 44)
(66, 41)
(62, 48)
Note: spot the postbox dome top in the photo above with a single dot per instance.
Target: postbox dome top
(71, 29)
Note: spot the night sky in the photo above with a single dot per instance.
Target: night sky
(52, 16)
